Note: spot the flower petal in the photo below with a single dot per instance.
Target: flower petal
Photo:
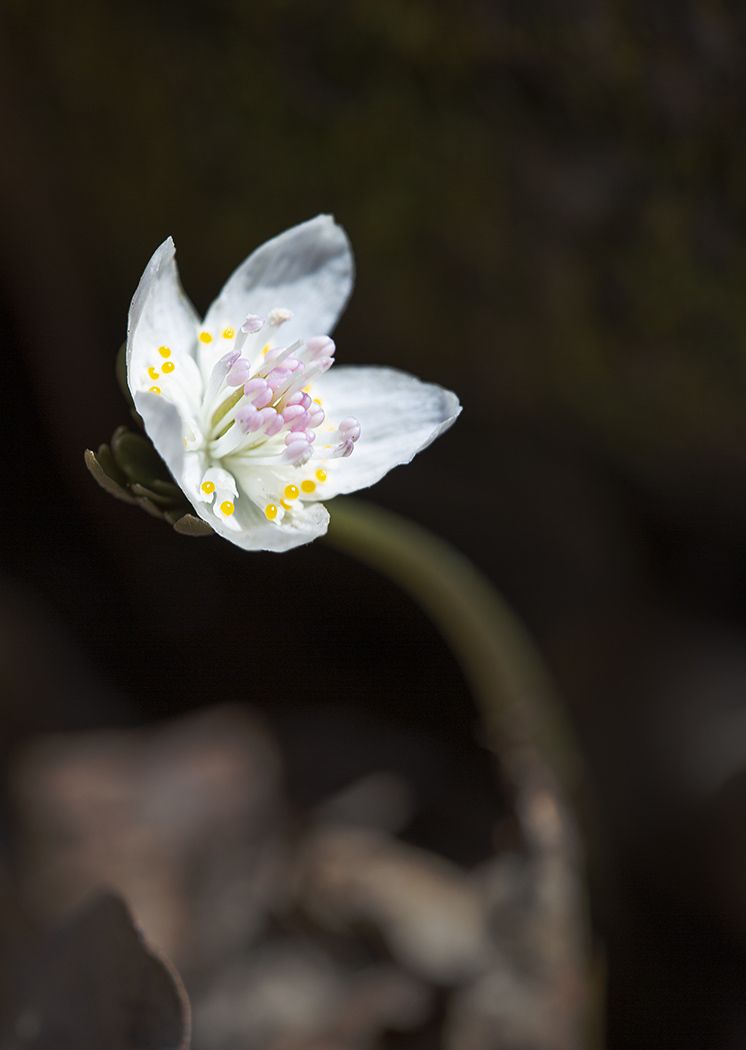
(161, 334)
(247, 527)
(164, 426)
(399, 416)
(255, 533)
(308, 269)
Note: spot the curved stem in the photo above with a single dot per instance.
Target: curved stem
(499, 660)
(526, 728)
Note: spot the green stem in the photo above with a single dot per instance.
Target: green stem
(528, 732)
(499, 660)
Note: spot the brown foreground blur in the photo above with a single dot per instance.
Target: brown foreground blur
(292, 930)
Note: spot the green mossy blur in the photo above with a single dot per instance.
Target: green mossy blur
(546, 202)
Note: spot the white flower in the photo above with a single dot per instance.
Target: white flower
(243, 407)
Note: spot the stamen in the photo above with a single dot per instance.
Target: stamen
(319, 346)
(247, 418)
(168, 366)
(250, 420)
(229, 441)
(298, 453)
(294, 413)
(265, 419)
(239, 372)
(349, 431)
(221, 484)
(279, 354)
(274, 423)
(164, 351)
(152, 372)
(225, 406)
(278, 377)
(279, 316)
(217, 376)
(252, 324)
(154, 389)
(350, 428)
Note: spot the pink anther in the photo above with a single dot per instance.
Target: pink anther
(292, 413)
(239, 372)
(319, 346)
(253, 323)
(248, 419)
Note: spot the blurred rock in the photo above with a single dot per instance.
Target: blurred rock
(185, 821)
(432, 919)
(380, 801)
(292, 994)
(317, 930)
(98, 985)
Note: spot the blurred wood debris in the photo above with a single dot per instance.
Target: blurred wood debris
(322, 930)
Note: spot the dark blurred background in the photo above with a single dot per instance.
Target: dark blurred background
(546, 203)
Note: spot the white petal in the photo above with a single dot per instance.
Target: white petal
(164, 426)
(399, 416)
(255, 533)
(161, 316)
(308, 269)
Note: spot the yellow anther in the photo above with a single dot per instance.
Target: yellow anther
(308, 486)
(205, 337)
(164, 351)
(228, 333)
(266, 348)
(285, 504)
(155, 389)
(291, 492)
(321, 474)
(152, 372)
(208, 487)
(168, 366)
(270, 511)
(227, 507)
(317, 401)
(306, 389)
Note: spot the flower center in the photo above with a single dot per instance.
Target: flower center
(265, 434)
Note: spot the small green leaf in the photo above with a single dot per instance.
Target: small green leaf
(137, 457)
(105, 481)
(149, 493)
(167, 489)
(150, 507)
(191, 525)
(109, 465)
